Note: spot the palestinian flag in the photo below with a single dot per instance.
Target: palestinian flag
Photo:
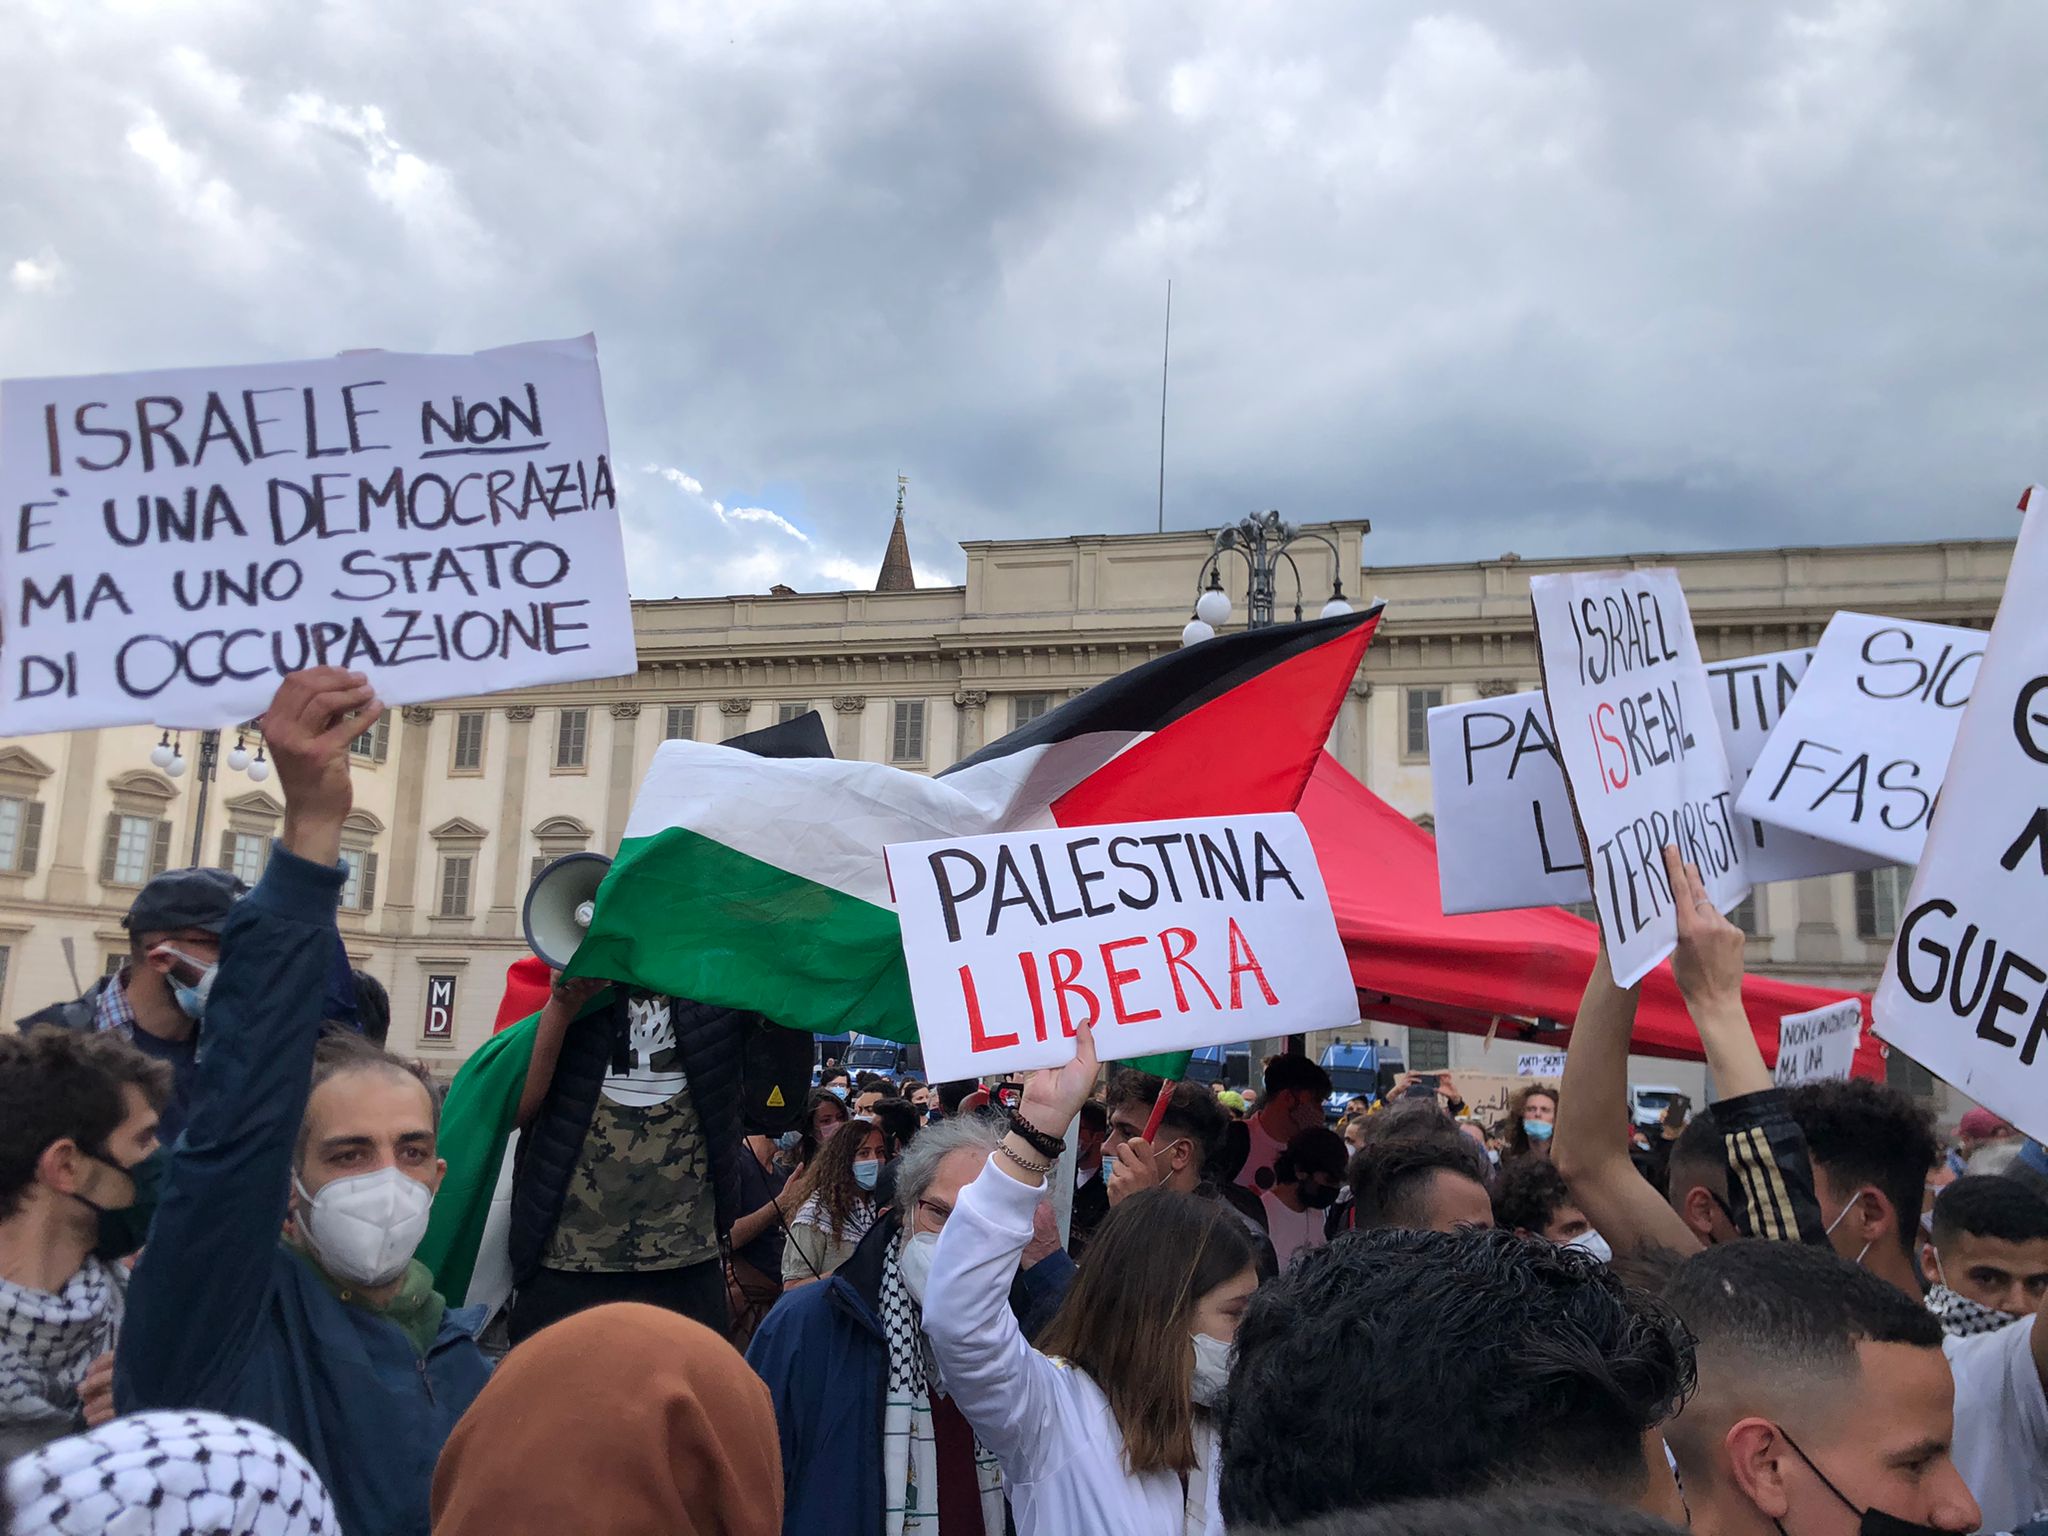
(762, 885)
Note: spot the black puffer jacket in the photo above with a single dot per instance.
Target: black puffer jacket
(710, 1041)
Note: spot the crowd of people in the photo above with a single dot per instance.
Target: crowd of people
(1794, 1310)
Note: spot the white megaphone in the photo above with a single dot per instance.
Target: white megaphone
(560, 904)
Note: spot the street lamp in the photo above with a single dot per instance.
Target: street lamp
(169, 755)
(1262, 540)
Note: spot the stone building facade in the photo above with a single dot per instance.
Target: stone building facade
(458, 803)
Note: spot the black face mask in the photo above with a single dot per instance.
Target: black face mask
(1317, 1197)
(1870, 1522)
(123, 1228)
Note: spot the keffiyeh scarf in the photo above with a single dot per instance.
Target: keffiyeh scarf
(910, 1453)
(48, 1342)
(1961, 1318)
(163, 1474)
(812, 1213)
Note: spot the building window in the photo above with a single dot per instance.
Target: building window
(1906, 1075)
(1880, 894)
(245, 854)
(906, 738)
(1415, 740)
(1027, 707)
(21, 834)
(681, 724)
(1429, 1050)
(540, 862)
(138, 848)
(359, 891)
(469, 742)
(455, 872)
(1745, 915)
(375, 743)
(1585, 909)
(572, 738)
(784, 713)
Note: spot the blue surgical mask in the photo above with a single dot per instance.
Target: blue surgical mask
(191, 1000)
(1537, 1130)
(866, 1171)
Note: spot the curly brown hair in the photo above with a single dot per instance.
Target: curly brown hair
(1517, 1138)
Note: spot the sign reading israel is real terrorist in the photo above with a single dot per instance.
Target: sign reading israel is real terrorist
(1634, 724)
(172, 543)
(1161, 935)
(1504, 835)
(1860, 751)
(1965, 990)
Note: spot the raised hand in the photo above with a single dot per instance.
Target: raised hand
(1055, 1095)
(1708, 961)
(311, 720)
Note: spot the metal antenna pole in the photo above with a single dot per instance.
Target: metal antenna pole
(1165, 356)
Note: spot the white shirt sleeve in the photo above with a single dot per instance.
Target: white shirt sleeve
(2001, 1437)
(1007, 1390)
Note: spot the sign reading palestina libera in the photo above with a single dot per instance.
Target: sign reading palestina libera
(1160, 935)
(1634, 723)
(172, 543)
(1965, 989)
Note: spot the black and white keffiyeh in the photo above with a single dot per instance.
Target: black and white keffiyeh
(49, 1341)
(170, 1474)
(1962, 1318)
(910, 1453)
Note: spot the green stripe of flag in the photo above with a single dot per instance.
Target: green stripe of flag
(688, 916)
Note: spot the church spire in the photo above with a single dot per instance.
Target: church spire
(895, 574)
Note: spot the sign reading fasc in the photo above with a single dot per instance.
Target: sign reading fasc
(1862, 747)
(173, 543)
(1965, 991)
(439, 1024)
(1633, 719)
(1161, 935)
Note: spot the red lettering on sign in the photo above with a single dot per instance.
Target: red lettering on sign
(1598, 724)
(1117, 979)
(1243, 962)
(1177, 961)
(1064, 986)
(977, 1038)
(1028, 962)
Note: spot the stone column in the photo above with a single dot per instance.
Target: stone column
(735, 712)
(848, 707)
(74, 814)
(402, 878)
(508, 871)
(618, 790)
(973, 706)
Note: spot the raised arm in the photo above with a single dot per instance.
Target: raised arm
(206, 1272)
(565, 1001)
(1011, 1394)
(1591, 1146)
(1769, 1173)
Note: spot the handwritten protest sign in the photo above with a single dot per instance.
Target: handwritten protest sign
(1504, 835)
(1162, 935)
(1816, 1046)
(172, 543)
(1860, 751)
(1965, 990)
(1540, 1064)
(1633, 721)
(1488, 1094)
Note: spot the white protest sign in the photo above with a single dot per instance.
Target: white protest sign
(1504, 835)
(1751, 694)
(1965, 990)
(1540, 1064)
(1860, 751)
(172, 543)
(1162, 935)
(1634, 722)
(1816, 1046)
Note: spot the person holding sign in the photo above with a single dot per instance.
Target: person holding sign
(278, 1283)
(1109, 1429)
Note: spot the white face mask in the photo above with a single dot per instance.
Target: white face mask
(1594, 1244)
(1212, 1370)
(914, 1262)
(363, 1229)
(1844, 1211)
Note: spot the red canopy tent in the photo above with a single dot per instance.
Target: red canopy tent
(1414, 965)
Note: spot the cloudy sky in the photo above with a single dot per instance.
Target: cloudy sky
(1571, 277)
